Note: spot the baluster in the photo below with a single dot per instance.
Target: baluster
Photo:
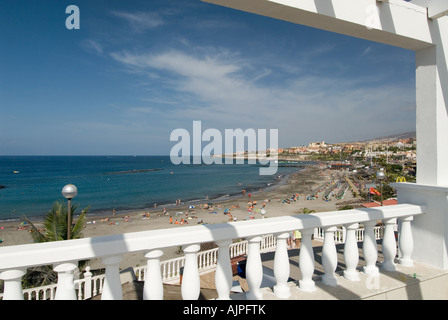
(351, 254)
(406, 242)
(87, 284)
(389, 245)
(370, 248)
(254, 269)
(190, 280)
(13, 284)
(223, 274)
(306, 262)
(153, 287)
(329, 257)
(112, 283)
(281, 267)
(65, 289)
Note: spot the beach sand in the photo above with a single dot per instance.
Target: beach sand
(301, 183)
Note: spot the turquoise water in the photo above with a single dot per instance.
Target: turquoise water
(105, 183)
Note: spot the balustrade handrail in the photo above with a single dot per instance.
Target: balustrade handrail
(24, 256)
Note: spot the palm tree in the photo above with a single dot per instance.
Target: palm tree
(56, 224)
(55, 230)
(307, 211)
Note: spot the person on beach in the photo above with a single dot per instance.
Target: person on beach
(171, 220)
(298, 238)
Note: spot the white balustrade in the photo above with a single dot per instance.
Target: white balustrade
(351, 254)
(370, 248)
(66, 288)
(389, 245)
(329, 257)
(190, 288)
(153, 287)
(223, 274)
(281, 267)
(254, 269)
(112, 282)
(87, 285)
(15, 259)
(13, 284)
(406, 242)
(306, 261)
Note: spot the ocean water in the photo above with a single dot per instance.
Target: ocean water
(105, 183)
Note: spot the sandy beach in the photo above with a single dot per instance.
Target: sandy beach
(302, 184)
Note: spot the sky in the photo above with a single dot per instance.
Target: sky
(135, 71)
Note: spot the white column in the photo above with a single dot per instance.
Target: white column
(351, 254)
(190, 280)
(370, 248)
(406, 242)
(329, 258)
(223, 274)
(65, 289)
(389, 245)
(254, 269)
(153, 287)
(306, 262)
(12, 284)
(112, 283)
(87, 284)
(281, 267)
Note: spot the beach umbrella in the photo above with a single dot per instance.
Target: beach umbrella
(190, 207)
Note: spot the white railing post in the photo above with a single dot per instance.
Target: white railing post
(254, 269)
(87, 284)
(370, 248)
(112, 283)
(13, 284)
(389, 245)
(306, 261)
(66, 287)
(329, 257)
(223, 274)
(153, 287)
(190, 288)
(406, 242)
(351, 254)
(281, 267)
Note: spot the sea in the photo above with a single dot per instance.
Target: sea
(29, 185)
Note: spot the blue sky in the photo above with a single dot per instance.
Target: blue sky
(136, 70)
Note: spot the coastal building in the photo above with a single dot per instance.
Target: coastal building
(418, 25)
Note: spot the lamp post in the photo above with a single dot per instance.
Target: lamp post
(380, 176)
(69, 192)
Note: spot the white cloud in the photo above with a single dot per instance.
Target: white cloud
(140, 21)
(223, 91)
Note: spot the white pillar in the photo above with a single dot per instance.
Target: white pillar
(306, 262)
(329, 258)
(281, 267)
(190, 288)
(370, 248)
(351, 254)
(12, 284)
(153, 287)
(254, 269)
(406, 242)
(65, 289)
(223, 274)
(112, 283)
(87, 284)
(389, 245)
